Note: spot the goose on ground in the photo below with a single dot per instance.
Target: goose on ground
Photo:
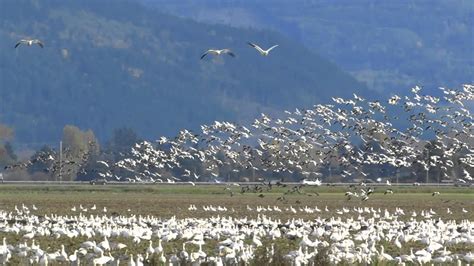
(260, 50)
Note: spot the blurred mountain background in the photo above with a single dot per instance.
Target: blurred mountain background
(388, 45)
(115, 64)
(113, 73)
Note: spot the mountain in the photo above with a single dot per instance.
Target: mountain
(109, 64)
(389, 45)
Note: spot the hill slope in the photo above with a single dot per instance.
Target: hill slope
(110, 65)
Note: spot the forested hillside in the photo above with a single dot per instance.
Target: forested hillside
(390, 45)
(106, 66)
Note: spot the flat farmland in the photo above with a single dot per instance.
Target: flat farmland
(219, 225)
(174, 200)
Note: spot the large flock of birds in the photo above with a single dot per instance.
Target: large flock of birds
(349, 135)
(234, 241)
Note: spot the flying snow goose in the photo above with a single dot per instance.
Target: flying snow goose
(260, 50)
(218, 52)
(29, 42)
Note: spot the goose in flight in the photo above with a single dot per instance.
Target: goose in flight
(30, 42)
(218, 52)
(260, 50)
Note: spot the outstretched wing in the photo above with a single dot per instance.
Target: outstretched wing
(256, 47)
(271, 48)
(204, 55)
(229, 52)
(20, 42)
(38, 42)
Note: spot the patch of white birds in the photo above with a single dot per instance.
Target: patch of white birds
(236, 240)
(348, 135)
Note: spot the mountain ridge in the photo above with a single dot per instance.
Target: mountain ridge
(126, 65)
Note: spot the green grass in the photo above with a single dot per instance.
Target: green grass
(167, 200)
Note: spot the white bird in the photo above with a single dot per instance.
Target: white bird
(184, 254)
(218, 52)
(159, 248)
(102, 260)
(150, 250)
(256, 241)
(103, 163)
(316, 182)
(30, 42)
(29, 235)
(469, 257)
(384, 256)
(73, 257)
(260, 50)
(162, 258)
(131, 262)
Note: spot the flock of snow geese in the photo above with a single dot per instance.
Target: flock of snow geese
(347, 137)
(374, 236)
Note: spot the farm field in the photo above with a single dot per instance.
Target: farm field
(174, 200)
(169, 209)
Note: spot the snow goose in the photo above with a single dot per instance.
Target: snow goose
(384, 256)
(30, 42)
(260, 50)
(102, 260)
(469, 257)
(159, 248)
(218, 52)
